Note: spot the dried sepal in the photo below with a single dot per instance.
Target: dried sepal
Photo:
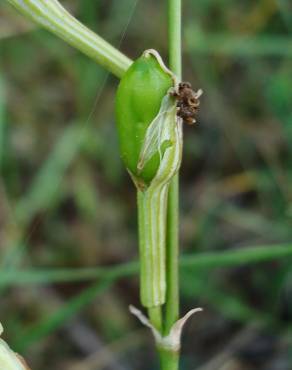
(172, 341)
(163, 136)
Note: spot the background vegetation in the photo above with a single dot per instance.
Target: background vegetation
(67, 205)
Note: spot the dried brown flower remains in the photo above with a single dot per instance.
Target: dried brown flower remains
(187, 102)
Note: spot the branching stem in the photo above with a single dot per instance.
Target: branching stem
(52, 16)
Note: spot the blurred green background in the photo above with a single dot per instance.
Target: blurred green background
(67, 205)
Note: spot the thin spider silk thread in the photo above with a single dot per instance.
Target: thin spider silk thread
(21, 242)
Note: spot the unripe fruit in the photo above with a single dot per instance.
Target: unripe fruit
(138, 101)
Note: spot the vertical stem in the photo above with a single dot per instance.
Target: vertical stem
(172, 249)
(169, 360)
(174, 36)
(172, 257)
(155, 317)
(152, 221)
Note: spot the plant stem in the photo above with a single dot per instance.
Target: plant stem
(172, 249)
(155, 317)
(152, 220)
(174, 36)
(52, 16)
(169, 360)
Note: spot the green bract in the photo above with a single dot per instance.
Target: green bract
(139, 98)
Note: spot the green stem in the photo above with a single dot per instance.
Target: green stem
(155, 317)
(151, 214)
(172, 257)
(174, 36)
(172, 249)
(152, 220)
(52, 16)
(169, 360)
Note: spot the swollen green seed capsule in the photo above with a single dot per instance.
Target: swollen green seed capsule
(138, 101)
